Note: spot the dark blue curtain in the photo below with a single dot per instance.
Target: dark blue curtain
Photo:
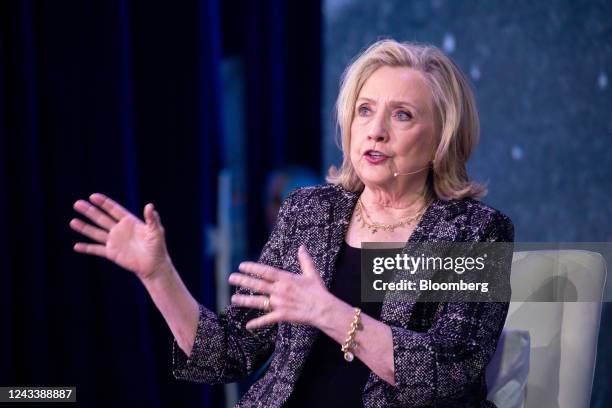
(120, 97)
(282, 52)
(123, 97)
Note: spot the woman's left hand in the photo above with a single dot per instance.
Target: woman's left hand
(289, 297)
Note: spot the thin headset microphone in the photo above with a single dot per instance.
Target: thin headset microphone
(412, 172)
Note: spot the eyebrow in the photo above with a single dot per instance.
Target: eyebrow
(393, 102)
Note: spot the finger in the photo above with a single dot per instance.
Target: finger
(306, 262)
(96, 234)
(262, 271)
(151, 216)
(94, 214)
(245, 281)
(254, 302)
(265, 320)
(109, 205)
(90, 249)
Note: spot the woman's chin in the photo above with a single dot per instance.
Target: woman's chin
(378, 178)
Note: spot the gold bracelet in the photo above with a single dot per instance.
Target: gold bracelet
(350, 340)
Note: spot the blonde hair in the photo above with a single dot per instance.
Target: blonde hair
(458, 127)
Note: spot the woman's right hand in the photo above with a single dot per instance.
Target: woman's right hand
(121, 237)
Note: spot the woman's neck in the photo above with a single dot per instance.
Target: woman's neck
(393, 205)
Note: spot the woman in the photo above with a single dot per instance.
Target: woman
(408, 124)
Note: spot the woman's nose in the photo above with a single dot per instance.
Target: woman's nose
(378, 130)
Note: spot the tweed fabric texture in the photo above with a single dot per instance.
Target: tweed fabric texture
(440, 350)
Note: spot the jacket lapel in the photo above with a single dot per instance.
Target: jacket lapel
(436, 225)
(340, 212)
(321, 227)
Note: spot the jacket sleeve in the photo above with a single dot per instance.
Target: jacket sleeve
(224, 350)
(445, 362)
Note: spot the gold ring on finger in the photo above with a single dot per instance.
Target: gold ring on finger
(266, 304)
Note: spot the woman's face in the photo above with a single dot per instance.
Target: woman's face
(393, 126)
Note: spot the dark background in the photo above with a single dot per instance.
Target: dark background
(156, 101)
(125, 97)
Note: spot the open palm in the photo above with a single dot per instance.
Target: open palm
(120, 236)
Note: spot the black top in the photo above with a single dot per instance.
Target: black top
(328, 380)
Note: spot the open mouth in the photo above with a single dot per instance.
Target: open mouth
(375, 156)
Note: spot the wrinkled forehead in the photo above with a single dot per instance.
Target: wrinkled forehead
(398, 83)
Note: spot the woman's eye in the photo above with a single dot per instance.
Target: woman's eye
(363, 110)
(403, 115)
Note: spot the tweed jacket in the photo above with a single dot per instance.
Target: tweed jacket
(440, 350)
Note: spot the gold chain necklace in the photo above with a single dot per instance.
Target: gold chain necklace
(366, 221)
